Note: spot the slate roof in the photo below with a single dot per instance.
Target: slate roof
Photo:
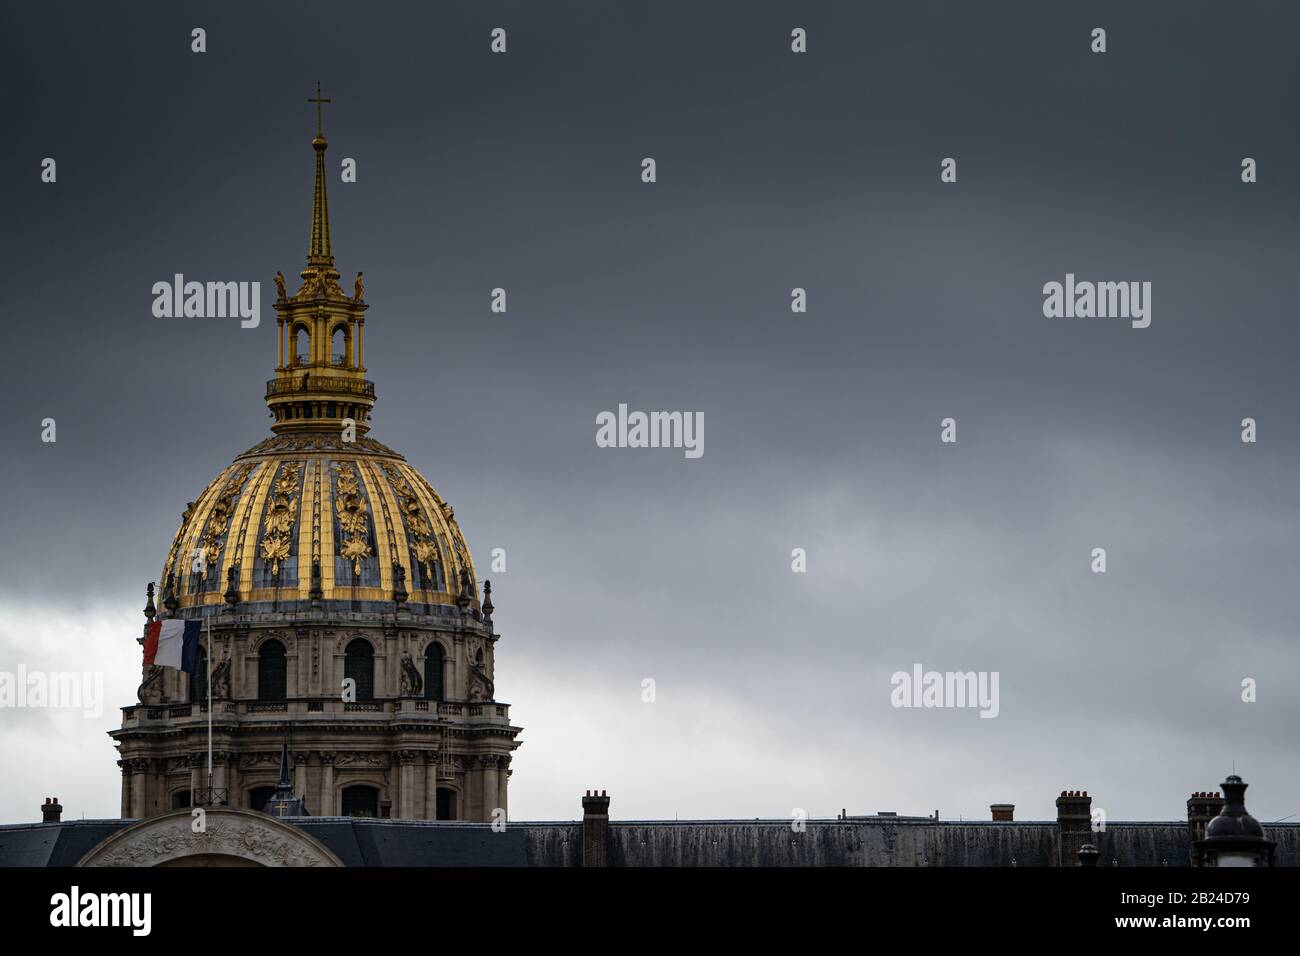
(881, 841)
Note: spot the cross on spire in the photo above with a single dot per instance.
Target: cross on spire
(318, 101)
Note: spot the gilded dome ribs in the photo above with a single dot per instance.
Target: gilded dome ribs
(238, 555)
(315, 516)
(421, 540)
(218, 521)
(381, 495)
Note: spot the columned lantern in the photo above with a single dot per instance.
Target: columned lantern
(1234, 837)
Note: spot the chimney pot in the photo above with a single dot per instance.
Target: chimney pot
(595, 829)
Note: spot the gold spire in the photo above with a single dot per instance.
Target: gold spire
(320, 380)
(319, 251)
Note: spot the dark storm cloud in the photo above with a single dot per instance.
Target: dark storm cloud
(775, 171)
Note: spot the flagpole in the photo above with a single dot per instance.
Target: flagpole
(208, 621)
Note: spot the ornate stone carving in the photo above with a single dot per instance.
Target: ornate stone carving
(232, 833)
(220, 683)
(412, 682)
(362, 758)
(273, 634)
(481, 686)
(326, 441)
(150, 690)
(259, 758)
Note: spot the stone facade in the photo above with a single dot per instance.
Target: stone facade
(403, 745)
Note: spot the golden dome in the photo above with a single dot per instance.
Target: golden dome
(319, 512)
(354, 509)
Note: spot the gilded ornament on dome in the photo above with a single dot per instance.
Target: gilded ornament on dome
(280, 516)
(426, 551)
(275, 548)
(219, 517)
(415, 519)
(351, 510)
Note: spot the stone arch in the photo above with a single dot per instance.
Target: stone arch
(345, 639)
(235, 835)
(447, 650)
(255, 645)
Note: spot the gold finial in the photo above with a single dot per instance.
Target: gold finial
(318, 101)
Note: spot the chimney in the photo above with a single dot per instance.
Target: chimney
(1003, 812)
(1202, 807)
(595, 829)
(51, 810)
(1073, 825)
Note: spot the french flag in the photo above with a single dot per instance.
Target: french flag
(172, 643)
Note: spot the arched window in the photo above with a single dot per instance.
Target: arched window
(271, 672)
(433, 666)
(359, 664)
(301, 344)
(360, 801)
(199, 680)
(339, 346)
(259, 797)
(180, 799)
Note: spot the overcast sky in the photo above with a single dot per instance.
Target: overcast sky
(775, 171)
